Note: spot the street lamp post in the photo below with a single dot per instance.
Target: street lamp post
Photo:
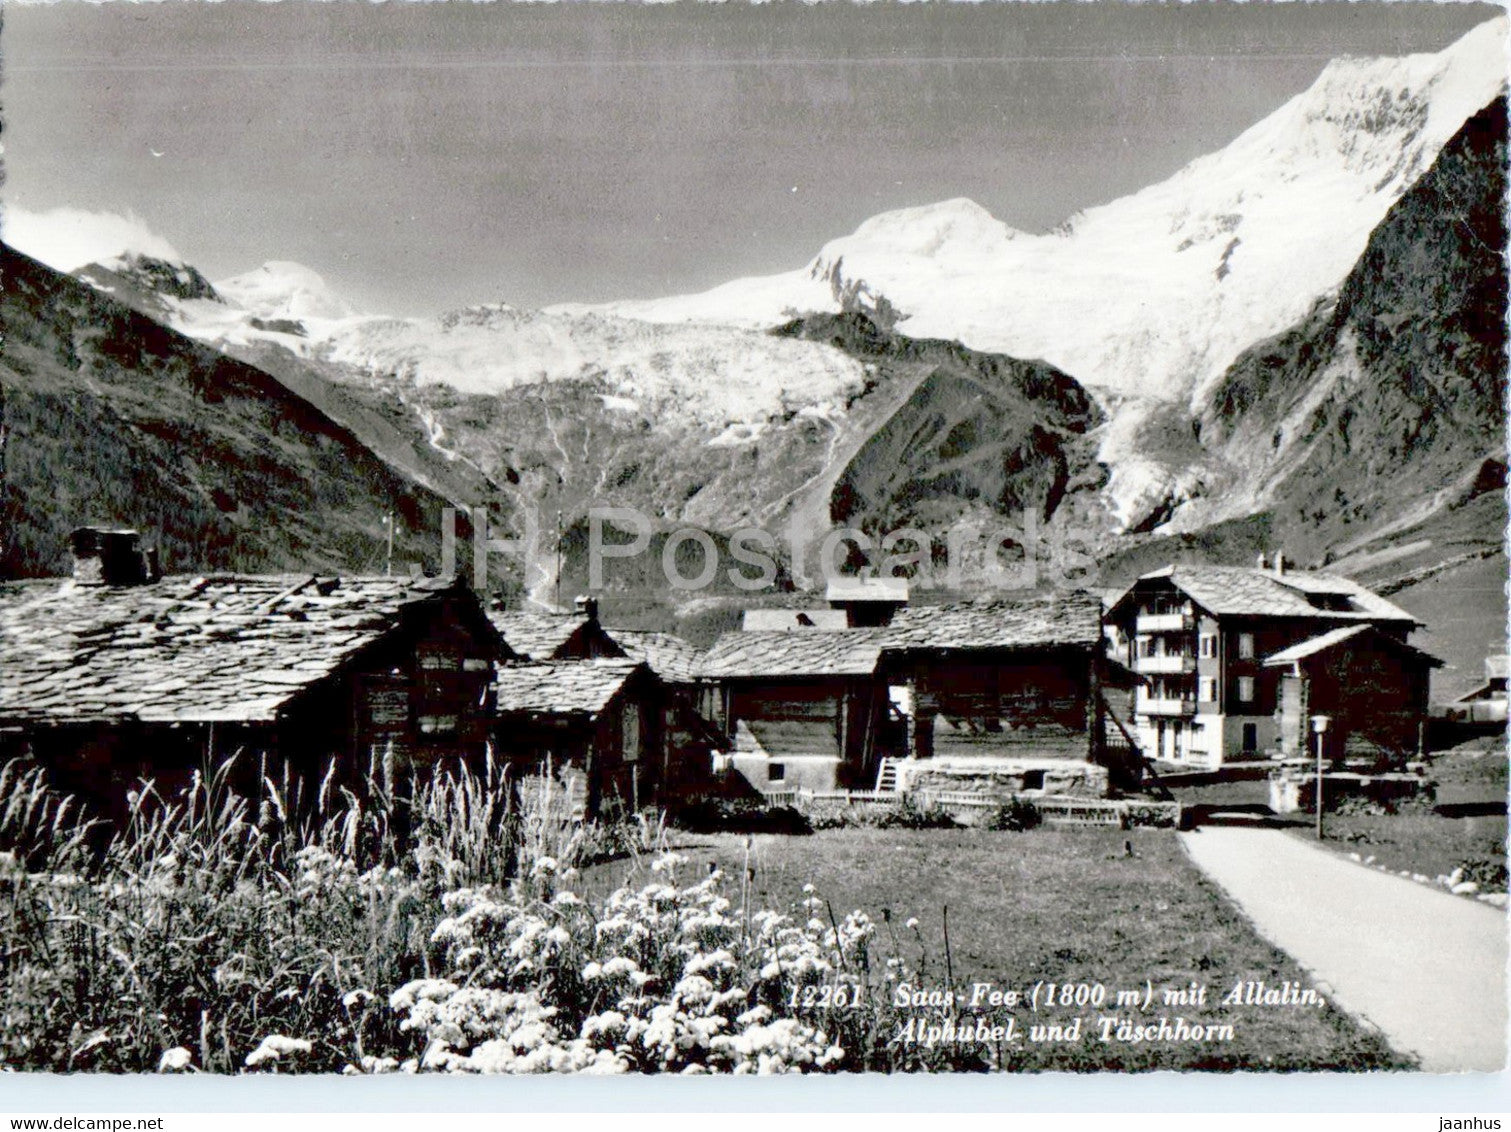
(1319, 727)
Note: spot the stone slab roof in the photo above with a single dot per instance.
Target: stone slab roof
(1073, 619)
(816, 652)
(581, 688)
(229, 648)
(1250, 592)
(1055, 619)
(1312, 646)
(667, 655)
(536, 636)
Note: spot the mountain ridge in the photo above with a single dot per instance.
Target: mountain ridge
(112, 418)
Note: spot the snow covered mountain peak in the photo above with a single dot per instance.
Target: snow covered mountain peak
(280, 289)
(1154, 294)
(951, 228)
(1149, 298)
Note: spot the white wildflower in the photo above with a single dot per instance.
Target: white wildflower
(175, 1060)
(275, 1047)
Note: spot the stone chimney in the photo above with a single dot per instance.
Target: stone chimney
(112, 558)
(1263, 563)
(1280, 564)
(587, 606)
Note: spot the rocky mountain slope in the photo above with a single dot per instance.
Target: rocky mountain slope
(1387, 400)
(111, 418)
(1148, 299)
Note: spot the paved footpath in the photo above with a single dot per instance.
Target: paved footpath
(1426, 967)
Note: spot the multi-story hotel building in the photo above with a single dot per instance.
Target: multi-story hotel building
(1236, 660)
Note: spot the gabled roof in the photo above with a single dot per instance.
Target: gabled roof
(581, 688)
(667, 655)
(793, 620)
(230, 648)
(1073, 619)
(1312, 646)
(1055, 619)
(1249, 592)
(840, 652)
(537, 636)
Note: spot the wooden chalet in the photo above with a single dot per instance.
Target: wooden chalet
(685, 742)
(801, 709)
(1012, 687)
(597, 720)
(1371, 686)
(116, 677)
(1023, 682)
(690, 742)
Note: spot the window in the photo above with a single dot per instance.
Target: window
(1209, 689)
(630, 730)
(437, 725)
(776, 772)
(1209, 644)
(1250, 737)
(1246, 689)
(1246, 646)
(1033, 780)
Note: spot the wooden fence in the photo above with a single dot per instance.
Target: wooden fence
(1114, 812)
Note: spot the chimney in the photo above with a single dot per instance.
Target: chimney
(587, 606)
(1280, 564)
(1264, 563)
(112, 558)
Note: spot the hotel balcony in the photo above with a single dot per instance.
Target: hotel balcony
(1165, 622)
(1149, 705)
(1165, 665)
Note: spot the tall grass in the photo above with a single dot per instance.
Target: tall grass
(433, 929)
(209, 920)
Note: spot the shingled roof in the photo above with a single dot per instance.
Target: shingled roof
(814, 652)
(226, 648)
(668, 656)
(536, 636)
(1055, 619)
(1251, 592)
(1312, 646)
(580, 688)
(1073, 619)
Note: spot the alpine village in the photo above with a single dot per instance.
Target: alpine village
(377, 695)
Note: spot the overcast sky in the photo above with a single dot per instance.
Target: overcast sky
(428, 156)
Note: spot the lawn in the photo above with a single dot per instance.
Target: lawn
(1063, 906)
(1462, 832)
(1425, 844)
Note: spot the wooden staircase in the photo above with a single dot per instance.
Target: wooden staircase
(887, 776)
(1125, 746)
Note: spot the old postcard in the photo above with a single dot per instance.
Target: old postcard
(753, 538)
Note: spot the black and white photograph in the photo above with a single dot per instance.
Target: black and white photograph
(938, 540)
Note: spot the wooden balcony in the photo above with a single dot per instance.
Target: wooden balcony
(1165, 705)
(1165, 622)
(1165, 665)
